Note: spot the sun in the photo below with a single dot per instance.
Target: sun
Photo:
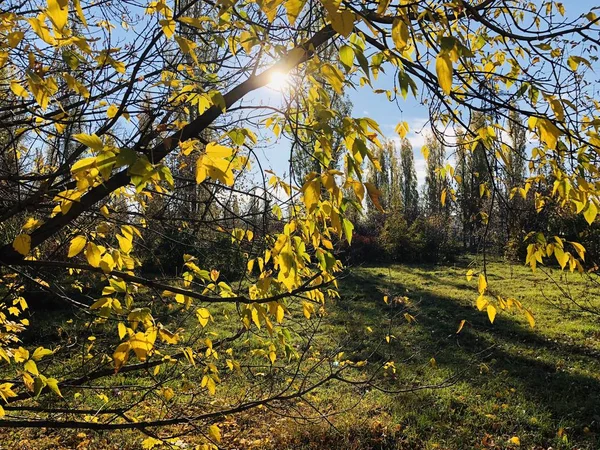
(279, 81)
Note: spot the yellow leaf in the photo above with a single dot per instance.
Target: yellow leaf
(342, 22)
(141, 343)
(400, 34)
(32, 224)
(491, 310)
(150, 442)
(40, 352)
(279, 313)
(307, 309)
(481, 302)
(168, 393)
(549, 133)
(77, 245)
(79, 11)
(38, 25)
(530, 318)
(121, 355)
(470, 274)
(443, 68)
(22, 244)
(90, 140)
(189, 354)
(482, 284)
(215, 164)
(52, 383)
(293, 8)
(18, 89)
(203, 316)
(107, 263)
(334, 77)
(255, 317)
(20, 355)
(591, 212)
(561, 256)
(28, 381)
(269, 7)
(168, 27)
(312, 194)
(93, 254)
(460, 326)
(122, 330)
(331, 5)
(124, 244)
(167, 336)
(14, 38)
(58, 12)
(402, 129)
(112, 111)
(374, 195)
(215, 433)
(580, 249)
(187, 47)
(6, 391)
(31, 367)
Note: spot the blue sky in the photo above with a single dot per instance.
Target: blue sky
(386, 113)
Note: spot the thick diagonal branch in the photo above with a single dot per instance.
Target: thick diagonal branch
(295, 57)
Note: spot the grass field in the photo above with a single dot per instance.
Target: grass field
(507, 381)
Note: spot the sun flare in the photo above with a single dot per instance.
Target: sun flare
(279, 81)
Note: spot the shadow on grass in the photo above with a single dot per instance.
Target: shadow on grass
(543, 371)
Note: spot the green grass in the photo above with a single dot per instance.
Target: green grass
(541, 385)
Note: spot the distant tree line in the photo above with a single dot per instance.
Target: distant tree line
(478, 195)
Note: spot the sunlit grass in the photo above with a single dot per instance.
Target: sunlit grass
(540, 385)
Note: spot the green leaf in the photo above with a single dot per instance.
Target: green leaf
(348, 228)
(71, 59)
